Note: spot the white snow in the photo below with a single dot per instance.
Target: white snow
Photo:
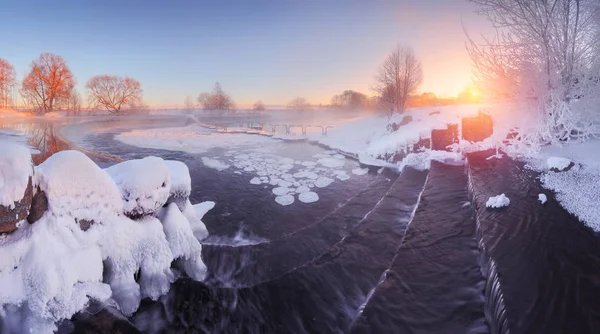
(145, 184)
(497, 201)
(52, 269)
(542, 198)
(216, 164)
(181, 182)
(558, 163)
(15, 170)
(284, 200)
(202, 208)
(308, 197)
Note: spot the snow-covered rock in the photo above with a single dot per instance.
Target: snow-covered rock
(16, 191)
(15, 170)
(181, 183)
(497, 201)
(558, 164)
(145, 185)
(542, 198)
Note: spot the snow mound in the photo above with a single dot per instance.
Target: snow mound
(145, 185)
(75, 186)
(497, 201)
(284, 200)
(308, 197)
(216, 164)
(15, 170)
(558, 163)
(542, 198)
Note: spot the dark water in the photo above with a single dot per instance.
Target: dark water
(544, 264)
(415, 252)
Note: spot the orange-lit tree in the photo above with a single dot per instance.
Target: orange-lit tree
(217, 100)
(258, 106)
(48, 84)
(399, 76)
(7, 81)
(299, 103)
(114, 93)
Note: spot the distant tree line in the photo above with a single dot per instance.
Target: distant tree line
(50, 85)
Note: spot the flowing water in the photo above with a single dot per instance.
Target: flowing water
(410, 252)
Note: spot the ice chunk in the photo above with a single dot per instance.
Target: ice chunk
(145, 185)
(542, 198)
(309, 163)
(323, 182)
(284, 200)
(360, 171)
(309, 175)
(215, 164)
(255, 180)
(343, 177)
(280, 191)
(15, 170)
(332, 162)
(497, 201)
(302, 189)
(308, 197)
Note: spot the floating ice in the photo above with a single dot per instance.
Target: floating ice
(308, 197)
(343, 177)
(302, 189)
(497, 201)
(214, 163)
(360, 171)
(323, 182)
(280, 191)
(255, 180)
(332, 162)
(542, 198)
(284, 200)
(309, 175)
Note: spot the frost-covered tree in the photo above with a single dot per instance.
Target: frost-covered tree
(349, 99)
(544, 54)
(48, 84)
(299, 103)
(114, 93)
(188, 103)
(399, 76)
(258, 106)
(217, 100)
(7, 81)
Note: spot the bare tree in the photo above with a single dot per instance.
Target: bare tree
(73, 103)
(349, 99)
(299, 103)
(114, 93)
(188, 103)
(48, 84)
(543, 53)
(217, 100)
(258, 106)
(399, 77)
(7, 81)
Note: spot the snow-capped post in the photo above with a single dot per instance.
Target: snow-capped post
(16, 191)
(442, 138)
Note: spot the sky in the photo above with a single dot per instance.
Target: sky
(258, 50)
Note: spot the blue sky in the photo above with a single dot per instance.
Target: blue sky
(268, 50)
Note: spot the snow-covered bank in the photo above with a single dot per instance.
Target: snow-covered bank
(578, 188)
(78, 244)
